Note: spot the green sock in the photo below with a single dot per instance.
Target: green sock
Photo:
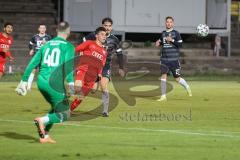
(58, 117)
(53, 118)
(48, 127)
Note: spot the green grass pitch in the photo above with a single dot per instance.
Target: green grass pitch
(203, 127)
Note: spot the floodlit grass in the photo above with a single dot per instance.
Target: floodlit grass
(202, 127)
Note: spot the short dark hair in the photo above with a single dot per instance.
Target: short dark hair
(100, 29)
(7, 24)
(107, 19)
(62, 26)
(42, 24)
(169, 17)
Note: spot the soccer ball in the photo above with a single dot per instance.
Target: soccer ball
(202, 30)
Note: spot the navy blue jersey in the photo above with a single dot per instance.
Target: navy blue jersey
(38, 41)
(112, 46)
(170, 51)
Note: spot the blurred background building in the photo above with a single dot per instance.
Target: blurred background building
(139, 21)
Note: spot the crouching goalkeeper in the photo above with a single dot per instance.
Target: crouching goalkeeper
(54, 55)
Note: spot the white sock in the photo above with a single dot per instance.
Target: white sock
(44, 119)
(163, 87)
(105, 100)
(30, 80)
(183, 83)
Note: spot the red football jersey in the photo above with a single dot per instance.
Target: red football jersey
(92, 60)
(5, 42)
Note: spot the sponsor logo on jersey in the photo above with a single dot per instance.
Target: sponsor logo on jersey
(4, 46)
(97, 55)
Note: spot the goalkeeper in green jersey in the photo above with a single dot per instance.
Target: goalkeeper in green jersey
(56, 62)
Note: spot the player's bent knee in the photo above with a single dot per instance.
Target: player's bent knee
(177, 79)
(104, 87)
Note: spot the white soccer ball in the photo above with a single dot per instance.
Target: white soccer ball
(202, 30)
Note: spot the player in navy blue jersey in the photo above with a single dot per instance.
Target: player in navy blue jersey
(112, 47)
(170, 41)
(36, 42)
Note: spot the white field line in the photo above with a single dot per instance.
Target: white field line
(184, 132)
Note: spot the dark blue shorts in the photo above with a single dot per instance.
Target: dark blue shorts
(106, 72)
(171, 66)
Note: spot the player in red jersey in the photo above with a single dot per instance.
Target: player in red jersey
(6, 41)
(89, 65)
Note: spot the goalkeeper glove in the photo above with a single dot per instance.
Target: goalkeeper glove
(21, 88)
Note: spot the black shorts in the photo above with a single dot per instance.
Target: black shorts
(106, 72)
(171, 66)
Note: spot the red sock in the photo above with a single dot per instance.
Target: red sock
(74, 104)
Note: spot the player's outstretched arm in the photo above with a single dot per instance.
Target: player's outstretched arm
(35, 61)
(22, 86)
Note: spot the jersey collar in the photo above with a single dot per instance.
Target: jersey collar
(169, 30)
(42, 35)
